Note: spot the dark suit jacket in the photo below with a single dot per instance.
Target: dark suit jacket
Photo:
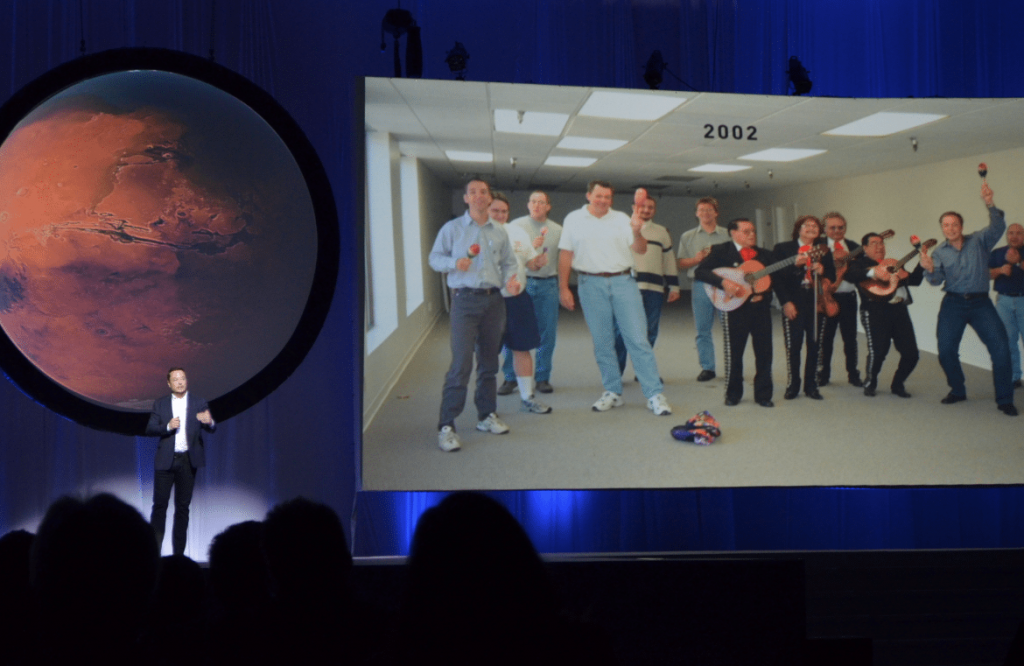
(787, 285)
(725, 255)
(157, 427)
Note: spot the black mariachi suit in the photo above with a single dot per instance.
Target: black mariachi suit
(846, 322)
(789, 284)
(752, 319)
(885, 321)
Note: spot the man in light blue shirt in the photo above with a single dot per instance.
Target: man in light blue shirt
(477, 256)
(962, 263)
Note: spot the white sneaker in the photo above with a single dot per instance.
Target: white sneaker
(448, 440)
(659, 405)
(493, 425)
(607, 401)
(535, 407)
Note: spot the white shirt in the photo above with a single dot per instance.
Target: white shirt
(599, 244)
(522, 248)
(179, 410)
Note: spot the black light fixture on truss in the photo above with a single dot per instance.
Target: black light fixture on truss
(655, 66)
(398, 22)
(456, 61)
(799, 76)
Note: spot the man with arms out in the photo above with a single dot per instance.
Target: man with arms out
(962, 263)
(1005, 267)
(796, 288)
(542, 286)
(846, 298)
(886, 318)
(521, 333)
(179, 420)
(753, 319)
(694, 246)
(599, 243)
(477, 255)
(655, 270)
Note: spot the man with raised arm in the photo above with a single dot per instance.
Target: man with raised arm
(598, 243)
(477, 256)
(961, 262)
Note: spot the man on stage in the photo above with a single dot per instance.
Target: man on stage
(1006, 268)
(752, 319)
(694, 245)
(962, 263)
(885, 318)
(846, 299)
(179, 420)
(598, 242)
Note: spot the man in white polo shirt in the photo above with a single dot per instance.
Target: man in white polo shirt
(598, 243)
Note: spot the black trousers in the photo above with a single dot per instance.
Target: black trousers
(846, 322)
(795, 333)
(883, 325)
(753, 320)
(182, 477)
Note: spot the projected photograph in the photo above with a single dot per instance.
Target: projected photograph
(887, 166)
(150, 220)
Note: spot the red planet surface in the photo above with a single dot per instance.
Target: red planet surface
(149, 220)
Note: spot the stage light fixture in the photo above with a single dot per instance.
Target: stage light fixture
(652, 72)
(799, 76)
(456, 61)
(398, 22)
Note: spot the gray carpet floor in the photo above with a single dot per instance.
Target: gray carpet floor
(847, 439)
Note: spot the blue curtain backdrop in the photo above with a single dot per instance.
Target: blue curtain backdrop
(307, 52)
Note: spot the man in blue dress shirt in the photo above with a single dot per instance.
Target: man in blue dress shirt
(1006, 267)
(476, 254)
(962, 263)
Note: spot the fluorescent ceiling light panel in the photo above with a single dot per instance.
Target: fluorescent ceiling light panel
(586, 143)
(629, 106)
(533, 122)
(782, 154)
(884, 124)
(566, 161)
(719, 168)
(468, 156)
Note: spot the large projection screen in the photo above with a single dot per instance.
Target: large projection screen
(900, 180)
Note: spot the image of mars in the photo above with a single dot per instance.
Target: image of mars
(149, 220)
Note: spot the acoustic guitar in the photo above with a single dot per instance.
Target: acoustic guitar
(754, 274)
(886, 287)
(826, 301)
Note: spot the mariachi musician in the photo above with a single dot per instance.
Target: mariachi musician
(843, 251)
(798, 289)
(751, 319)
(884, 297)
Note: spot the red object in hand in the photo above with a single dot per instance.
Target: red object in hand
(640, 196)
(982, 169)
(915, 241)
(474, 250)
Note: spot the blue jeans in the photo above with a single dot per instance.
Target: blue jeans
(545, 304)
(607, 301)
(955, 314)
(653, 301)
(704, 318)
(1011, 311)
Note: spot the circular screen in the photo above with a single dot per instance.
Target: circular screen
(158, 212)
